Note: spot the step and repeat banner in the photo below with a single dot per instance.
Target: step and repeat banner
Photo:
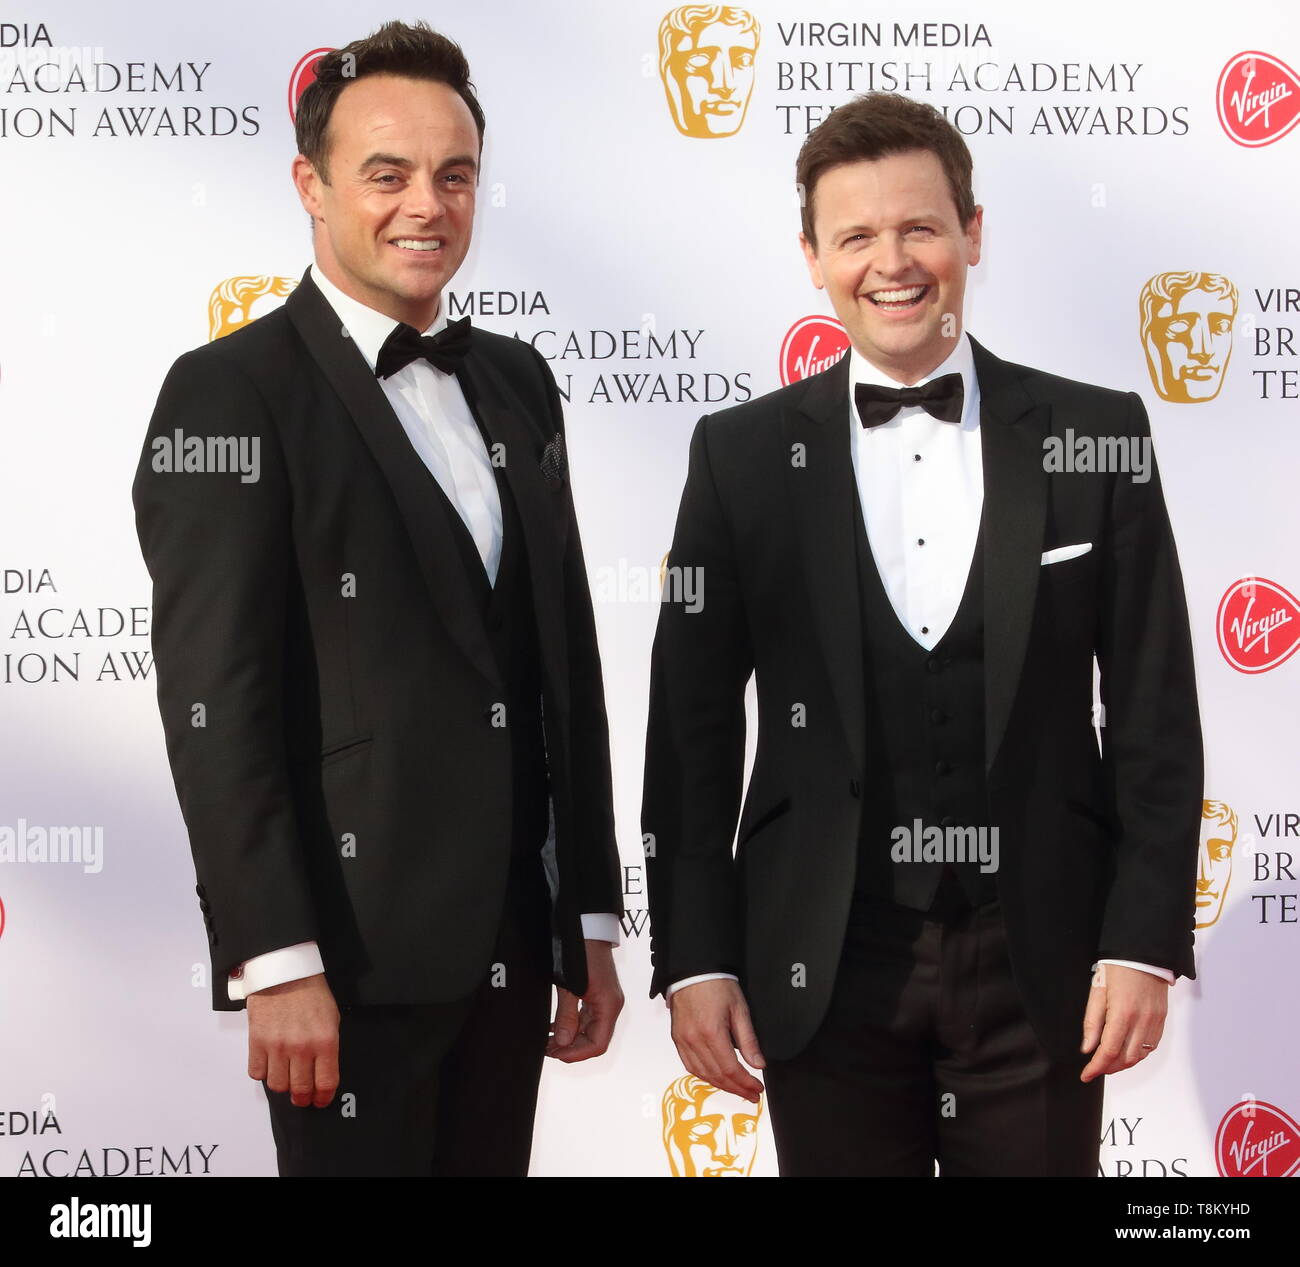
(1139, 167)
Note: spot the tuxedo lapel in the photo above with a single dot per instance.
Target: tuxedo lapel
(358, 388)
(822, 488)
(1012, 429)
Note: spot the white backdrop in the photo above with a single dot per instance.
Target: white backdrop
(597, 214)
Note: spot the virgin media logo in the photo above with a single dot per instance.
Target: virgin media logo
(1258, 625)
(304, 75)
(1257, 1140)
(812, 345)
(1258, 99)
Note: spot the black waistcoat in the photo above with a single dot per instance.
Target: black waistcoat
(925, 747)
(507, 610)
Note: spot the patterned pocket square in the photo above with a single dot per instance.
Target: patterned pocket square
(554, 464)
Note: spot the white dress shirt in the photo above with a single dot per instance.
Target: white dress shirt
(433, 412)
(921, 485)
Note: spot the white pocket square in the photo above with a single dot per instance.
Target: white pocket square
(1061, 553)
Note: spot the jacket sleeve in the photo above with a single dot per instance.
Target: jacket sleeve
(600, 887)
(695, 742)
(1151, 736)
(219, 549)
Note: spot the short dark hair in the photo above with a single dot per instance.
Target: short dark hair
(877, 124)
(417, 52)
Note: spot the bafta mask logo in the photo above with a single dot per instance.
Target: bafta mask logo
(239, 300)
(708, 1133)
(1218, 836)
(706, 62)
(1186, 322)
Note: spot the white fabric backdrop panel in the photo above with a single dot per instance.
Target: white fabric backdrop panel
(1102, 160)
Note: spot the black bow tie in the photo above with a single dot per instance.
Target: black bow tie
(445, 350)
(941, 398)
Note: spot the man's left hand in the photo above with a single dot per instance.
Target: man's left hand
(579, 1033)
(1126, 1012)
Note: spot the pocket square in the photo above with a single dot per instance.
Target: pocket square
(554, 464)
(1061, 553)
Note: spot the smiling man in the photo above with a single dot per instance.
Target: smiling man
(950, 912)
(377, 664)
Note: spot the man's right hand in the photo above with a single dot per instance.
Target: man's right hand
(710, 1023)
(293, 1039)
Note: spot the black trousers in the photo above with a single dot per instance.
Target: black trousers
(926, 1055)
(441, 1089)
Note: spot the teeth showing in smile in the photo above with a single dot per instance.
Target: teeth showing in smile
(415, 244)
(903, 298)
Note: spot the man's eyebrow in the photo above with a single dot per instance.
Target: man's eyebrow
(396, 160)
(386, 160)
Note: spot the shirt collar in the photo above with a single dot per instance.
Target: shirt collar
(367, 327)
(961, 360)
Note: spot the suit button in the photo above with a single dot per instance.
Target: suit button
(496, 623)
(237, 972)
(942, 767)
(933, 664)
(855, 788)
(938, 716)
(948, 821)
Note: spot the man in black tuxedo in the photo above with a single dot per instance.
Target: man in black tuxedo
(933, 854)
(377, 663)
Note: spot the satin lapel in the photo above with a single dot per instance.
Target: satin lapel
(503, 416)
(443, 569)
(822, 492)
(1012, 428)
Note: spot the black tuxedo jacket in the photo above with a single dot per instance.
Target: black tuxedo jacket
(1098, 848)
(326, 681)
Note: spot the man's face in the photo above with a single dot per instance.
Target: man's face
(892, 256)
(1193, 334)
(714, 74)
(399, 210)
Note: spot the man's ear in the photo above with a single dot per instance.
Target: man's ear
(307, 181)
(975, 235)
(810, 258)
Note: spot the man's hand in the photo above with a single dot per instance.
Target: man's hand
(710, 1022)
(1126, 1009)
(293, 1039)
(580, 1035)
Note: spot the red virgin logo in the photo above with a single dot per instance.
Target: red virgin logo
(304, 75)
(1256, 1140)
(812, 345)
(1258, 625)
(1258, 99)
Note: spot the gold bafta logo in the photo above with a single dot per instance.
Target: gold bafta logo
(1186, 321)
(708, 1133)
(231, 304)
(706, 62)
(1214, 869)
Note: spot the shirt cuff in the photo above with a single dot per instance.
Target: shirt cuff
(1163, 973)
(704, 976)
(601, 927)
(274, 968)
